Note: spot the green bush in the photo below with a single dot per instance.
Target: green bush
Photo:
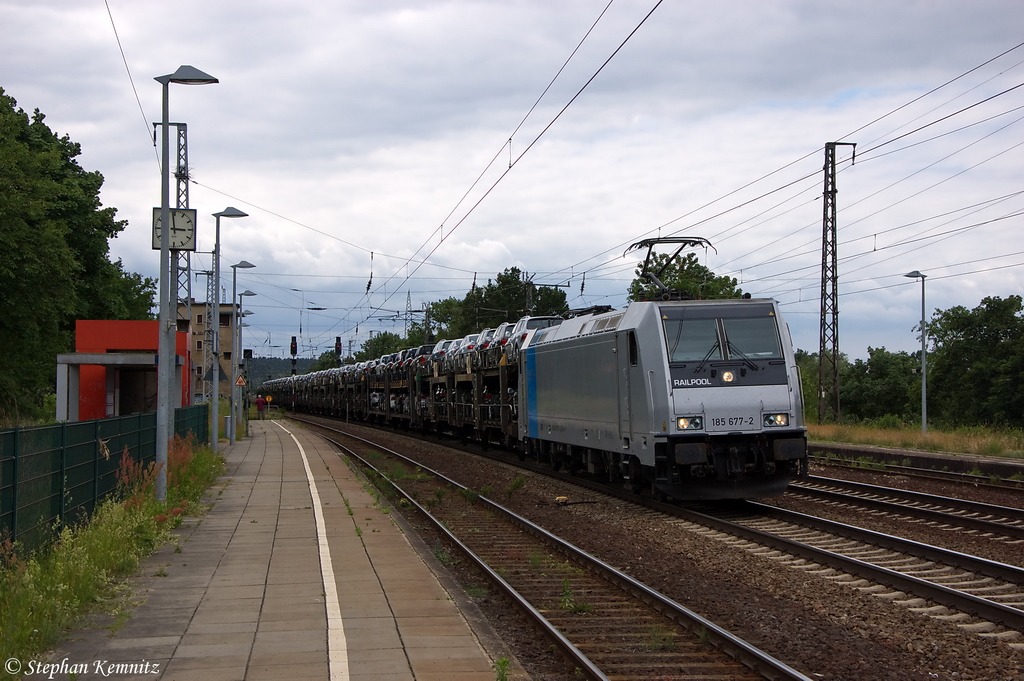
(44, 594)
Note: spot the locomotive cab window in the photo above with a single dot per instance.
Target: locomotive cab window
(756, 338)
(692, 340)
(634, 351)
(717, 333)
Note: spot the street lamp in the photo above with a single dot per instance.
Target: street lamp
(236, 346)
(166, 353)
(233, 401)
(243, 367)
(924, 362)
(228, 212)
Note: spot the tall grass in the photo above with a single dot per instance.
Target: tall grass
(44, 594)
(981, 441)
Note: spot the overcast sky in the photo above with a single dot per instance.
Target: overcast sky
(384, 127)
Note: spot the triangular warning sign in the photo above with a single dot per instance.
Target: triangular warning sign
(240, 381)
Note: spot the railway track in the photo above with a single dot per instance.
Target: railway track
(997, 522)
(979, 596)
(990, 481)
(932, 581)
(609, 625)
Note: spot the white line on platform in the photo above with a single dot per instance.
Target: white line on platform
(337, 646)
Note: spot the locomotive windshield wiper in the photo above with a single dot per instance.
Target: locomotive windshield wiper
(700, 367)
(739, 353)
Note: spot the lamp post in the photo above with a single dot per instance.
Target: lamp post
(243, 325)
(239, 363)
(166, 353)
(228, 212)
(233, 401)
(235, 345)
(924, 361)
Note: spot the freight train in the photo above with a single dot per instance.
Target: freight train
(688, 399)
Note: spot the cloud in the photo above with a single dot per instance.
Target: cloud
(345, 128)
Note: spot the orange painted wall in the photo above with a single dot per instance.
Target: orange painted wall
(101, 336)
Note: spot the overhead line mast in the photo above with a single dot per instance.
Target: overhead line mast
(828, 349)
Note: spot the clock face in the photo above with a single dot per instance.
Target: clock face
(183, 229)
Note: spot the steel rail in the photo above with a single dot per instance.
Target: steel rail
(974, 523)
(990, 610)
(570, 651)
(1004, 483)
(727, 642)
(959, 600)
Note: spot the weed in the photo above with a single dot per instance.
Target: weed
(476, 591)
(444, 555)
(568, 600)
(121, 617)
(517, 484)
(487, 490)
(162, 572)
(991, 448)
(660, 638)
(439, 495)
(536, 560)
(702, 634)
(469, 495)
(868, 462)
(501, 669)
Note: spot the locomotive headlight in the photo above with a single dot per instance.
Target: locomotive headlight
(690, 423)
(728, 376)
(776, 420)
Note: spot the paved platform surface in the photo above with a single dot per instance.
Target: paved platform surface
(287, 580)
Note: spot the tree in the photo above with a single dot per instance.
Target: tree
(808, 364)
(55, 266)
(507, 298)
(686, 275)
(976, 370)
(327, 360)
(383, 343)
(884, 384)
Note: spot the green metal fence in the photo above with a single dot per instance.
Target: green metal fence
(60, 472)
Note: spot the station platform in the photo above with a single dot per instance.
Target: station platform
(294, 573)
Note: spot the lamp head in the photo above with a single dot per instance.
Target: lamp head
(231, 212)
(187, 75)
(246, 292)
(915, 275)
(244, 264)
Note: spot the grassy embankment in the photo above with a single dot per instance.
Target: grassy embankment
(980, 441)
(46, 593)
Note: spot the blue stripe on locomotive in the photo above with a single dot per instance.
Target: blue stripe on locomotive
(530, 372)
